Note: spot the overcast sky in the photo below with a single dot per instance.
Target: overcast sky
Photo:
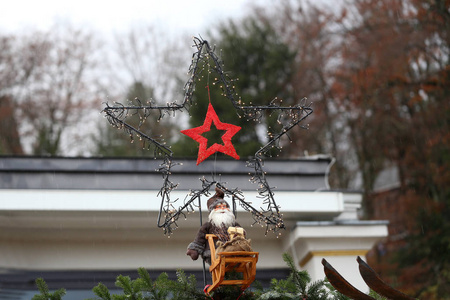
(191, 17)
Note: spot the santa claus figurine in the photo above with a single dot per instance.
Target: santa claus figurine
(220, 219)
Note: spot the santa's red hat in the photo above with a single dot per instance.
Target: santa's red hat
(216, 199)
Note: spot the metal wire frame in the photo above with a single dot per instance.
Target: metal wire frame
(289, 117)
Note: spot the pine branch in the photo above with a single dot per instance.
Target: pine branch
(45, 292)
(102, 291)
(316, 290)
(43, 289)
(124, 282)
(131, 288)
(300, 278)
(144, 282)
(275, 295)
(161, 287)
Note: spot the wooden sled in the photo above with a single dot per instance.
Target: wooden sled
(239, 261)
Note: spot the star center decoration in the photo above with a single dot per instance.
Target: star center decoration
(196, 134)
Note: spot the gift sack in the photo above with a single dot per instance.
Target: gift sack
(237, 243)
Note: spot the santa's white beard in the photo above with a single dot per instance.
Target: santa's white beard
(222, 216)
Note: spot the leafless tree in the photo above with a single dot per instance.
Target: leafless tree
(49, 78)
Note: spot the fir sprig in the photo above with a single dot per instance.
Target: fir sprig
(45, 293)
(102, 291)
(298, 285)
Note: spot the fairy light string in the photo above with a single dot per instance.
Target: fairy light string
(171, 210)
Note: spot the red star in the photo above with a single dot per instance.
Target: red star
(204, 152)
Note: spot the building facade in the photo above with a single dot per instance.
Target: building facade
(80, 221)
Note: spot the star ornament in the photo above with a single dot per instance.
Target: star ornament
(196, 134)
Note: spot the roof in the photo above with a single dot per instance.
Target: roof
(141, 173)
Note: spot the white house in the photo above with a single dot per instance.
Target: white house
(80, 221)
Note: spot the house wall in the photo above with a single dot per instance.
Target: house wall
(77, 215)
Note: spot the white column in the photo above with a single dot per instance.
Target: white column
(339, 243)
